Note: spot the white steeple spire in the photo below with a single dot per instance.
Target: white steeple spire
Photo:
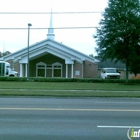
(50, 34)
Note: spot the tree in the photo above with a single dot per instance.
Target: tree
(4, 54)
(119, 34)
(136, 68)
(91, 55)
(135, 65)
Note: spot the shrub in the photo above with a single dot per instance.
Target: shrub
(86, 80)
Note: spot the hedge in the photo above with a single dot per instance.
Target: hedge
(86, 80)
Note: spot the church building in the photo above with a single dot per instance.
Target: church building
(49, 58)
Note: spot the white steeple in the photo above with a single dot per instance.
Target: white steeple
(50, 34)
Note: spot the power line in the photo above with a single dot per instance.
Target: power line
(86, 12)
(49, 28)
(45, 28)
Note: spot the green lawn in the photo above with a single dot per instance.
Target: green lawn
(69, 89)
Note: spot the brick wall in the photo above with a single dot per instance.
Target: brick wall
(77, 68)
(90, 69)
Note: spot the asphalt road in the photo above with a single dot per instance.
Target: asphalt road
(68, 118)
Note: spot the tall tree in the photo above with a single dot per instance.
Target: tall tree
(4, 54)
(119, 34)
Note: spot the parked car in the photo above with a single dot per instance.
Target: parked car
(110, 73)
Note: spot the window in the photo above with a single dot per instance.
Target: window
(48, 70)
(41, 69)
(57, 70)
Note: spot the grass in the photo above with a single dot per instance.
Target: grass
(69, 89)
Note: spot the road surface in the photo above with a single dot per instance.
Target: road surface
(23, 118)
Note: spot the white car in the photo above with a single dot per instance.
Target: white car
(110, 73)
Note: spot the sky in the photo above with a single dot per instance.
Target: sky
(80, 39)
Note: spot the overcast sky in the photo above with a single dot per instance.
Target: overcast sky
(79, 39)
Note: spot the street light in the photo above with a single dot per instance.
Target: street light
(28, 50)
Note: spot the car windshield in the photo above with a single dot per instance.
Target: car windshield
(111, 71)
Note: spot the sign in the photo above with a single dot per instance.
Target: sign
(132, 134)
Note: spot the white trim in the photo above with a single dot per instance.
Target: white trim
(53, 47)
(66, 70)
(26, 66)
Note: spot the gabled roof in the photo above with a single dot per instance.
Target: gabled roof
(49, 46)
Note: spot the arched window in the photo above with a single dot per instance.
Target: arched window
(57, 69)
(41, 69)
(47, 70)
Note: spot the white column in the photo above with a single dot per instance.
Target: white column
(21, 70)
(26, 66)
(71, 70)
(66, 70)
